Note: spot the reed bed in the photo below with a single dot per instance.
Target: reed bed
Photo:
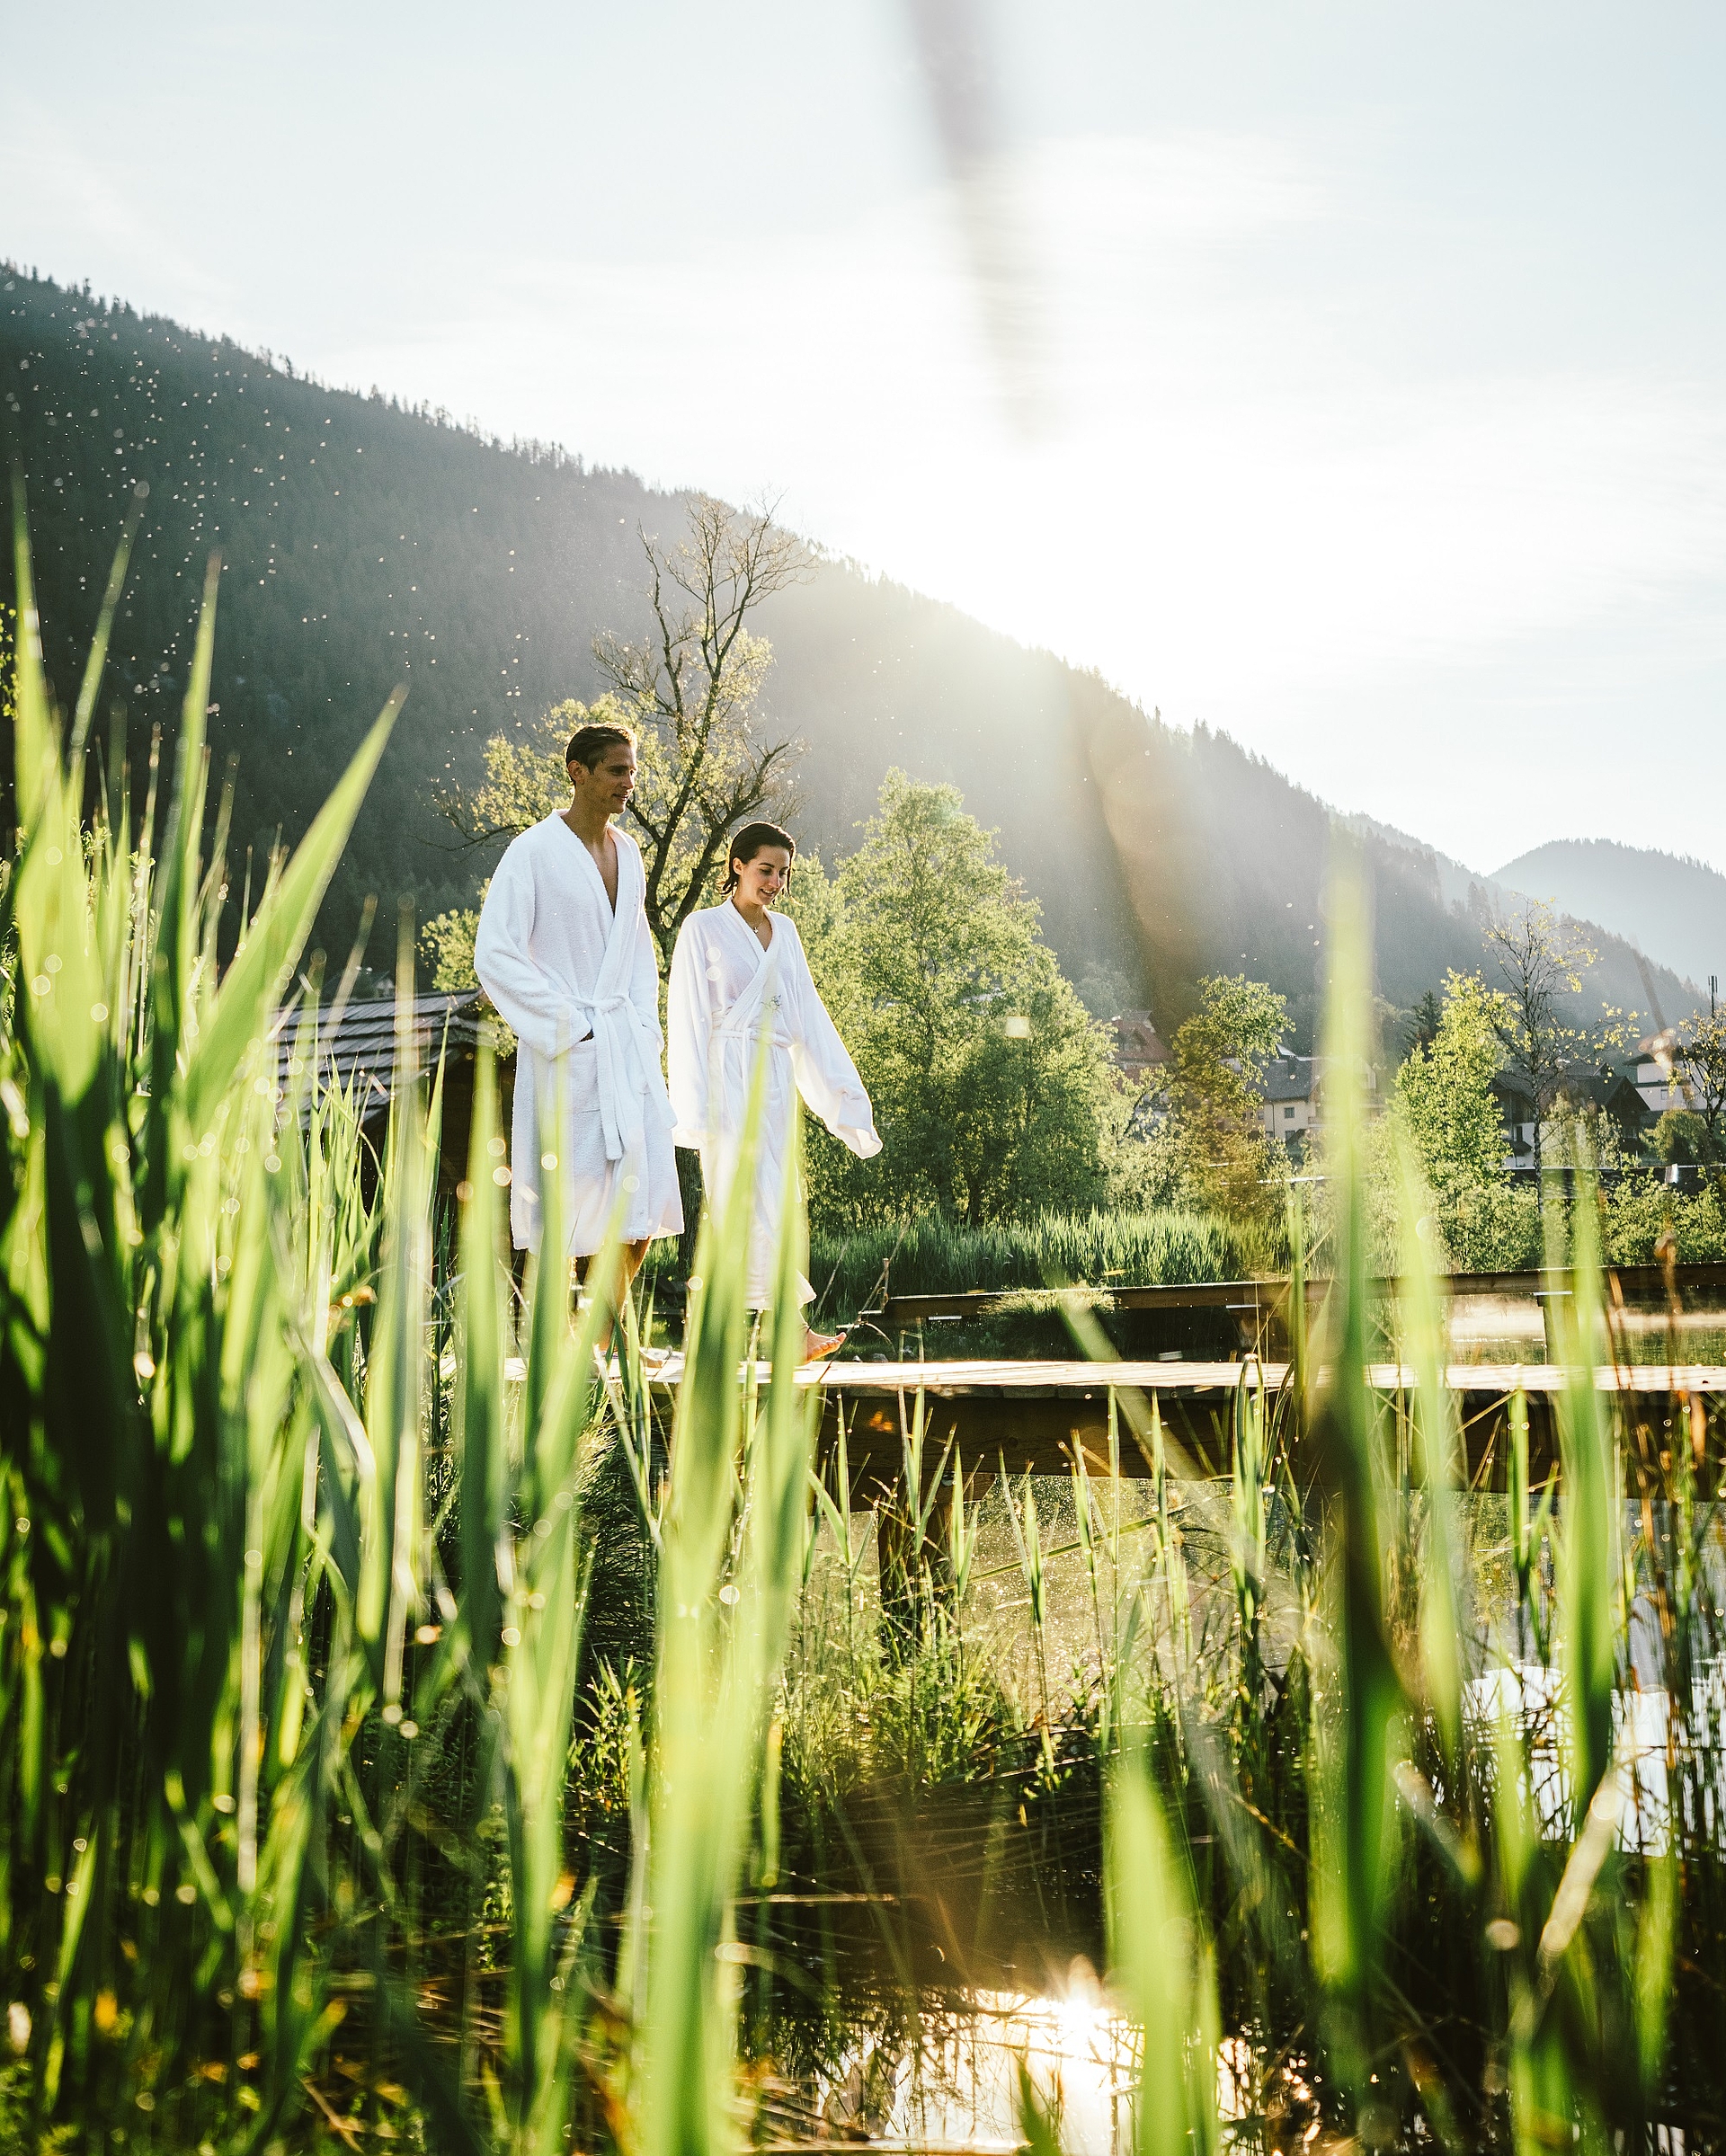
(413, 1729)
(931, 1255)
(298, 1557)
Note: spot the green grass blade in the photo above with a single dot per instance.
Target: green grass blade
(278, 932)
(1157, 1968)
(1356, 1829)
(98, 658)
(1438, 1452)
(483, 1440)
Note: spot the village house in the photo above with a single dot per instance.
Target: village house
(1292, 1099)
(1139, 1049)
(1660, 1074)
(1293, 1094)
(1611, 1091)
(1292, 1088)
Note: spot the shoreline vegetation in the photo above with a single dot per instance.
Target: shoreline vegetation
(414, 1731)
(1101, 1251)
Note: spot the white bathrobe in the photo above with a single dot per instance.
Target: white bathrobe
(579, 983)
(730, 1000)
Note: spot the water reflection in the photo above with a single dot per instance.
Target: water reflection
(957, 2086)
(953, 2086)
(935, 1922)
(1512, 1328)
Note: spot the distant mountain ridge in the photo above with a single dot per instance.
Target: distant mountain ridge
(1669, 906)
(366, 545)
(1455, 882)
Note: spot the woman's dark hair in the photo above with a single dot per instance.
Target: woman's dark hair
(748, 841)
(588, 744)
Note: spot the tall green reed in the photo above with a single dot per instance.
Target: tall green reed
(1360, 1718)
(1491, 1912)
(936, 1256)
(732, 1561)
(167, 1777)
(236, 1643)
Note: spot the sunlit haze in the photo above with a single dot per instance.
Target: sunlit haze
(1348, 378)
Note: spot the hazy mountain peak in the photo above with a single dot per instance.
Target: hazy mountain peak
(1670, 907)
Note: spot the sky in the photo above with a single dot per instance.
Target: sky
(1347, 377)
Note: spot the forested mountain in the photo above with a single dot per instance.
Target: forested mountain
(365, 544)
(1674, 908)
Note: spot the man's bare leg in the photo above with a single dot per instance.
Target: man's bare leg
(630, 1258)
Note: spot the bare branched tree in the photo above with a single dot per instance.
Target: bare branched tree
(1541, 960)
(692, 686)
(691, 690)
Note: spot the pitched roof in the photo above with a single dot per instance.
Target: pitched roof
(358, 1042)
(1290, 1077)
(1137, 1042)
(1595, 1085)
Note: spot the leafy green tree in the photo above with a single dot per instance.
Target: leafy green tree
(1445, 1091)
(1445, 1100)
(1421, 1026)
(1702, 1060)
(1540, 958)
(815, 902)
(994, 1090)
(1207, 1139)
(1680, 1139)
(446, 948)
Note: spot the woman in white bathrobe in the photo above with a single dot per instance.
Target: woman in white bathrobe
(741, 987)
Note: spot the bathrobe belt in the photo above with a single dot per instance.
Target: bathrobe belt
(626, 1062)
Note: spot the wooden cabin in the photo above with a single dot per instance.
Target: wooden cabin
(358, 1045)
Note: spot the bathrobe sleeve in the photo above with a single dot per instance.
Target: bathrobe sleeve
(690, 1026)
(643, 982)
(826, 1075)
(534, 1004)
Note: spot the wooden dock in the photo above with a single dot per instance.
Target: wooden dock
(1034, 1417)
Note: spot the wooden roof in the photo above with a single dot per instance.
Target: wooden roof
(357, 1045)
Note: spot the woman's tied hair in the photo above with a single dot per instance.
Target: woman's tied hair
(588, 744)
(746, 843)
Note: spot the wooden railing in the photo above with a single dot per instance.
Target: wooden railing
(1636, 1283)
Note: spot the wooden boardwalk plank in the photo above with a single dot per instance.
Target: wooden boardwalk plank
(1035, 1417)
(1024, 1380)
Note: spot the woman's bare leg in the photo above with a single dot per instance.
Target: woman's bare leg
(814, 1345)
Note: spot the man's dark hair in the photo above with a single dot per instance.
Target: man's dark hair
(588, 744)
(748, 841)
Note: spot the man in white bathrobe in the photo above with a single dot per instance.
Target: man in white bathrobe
(564, 952)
